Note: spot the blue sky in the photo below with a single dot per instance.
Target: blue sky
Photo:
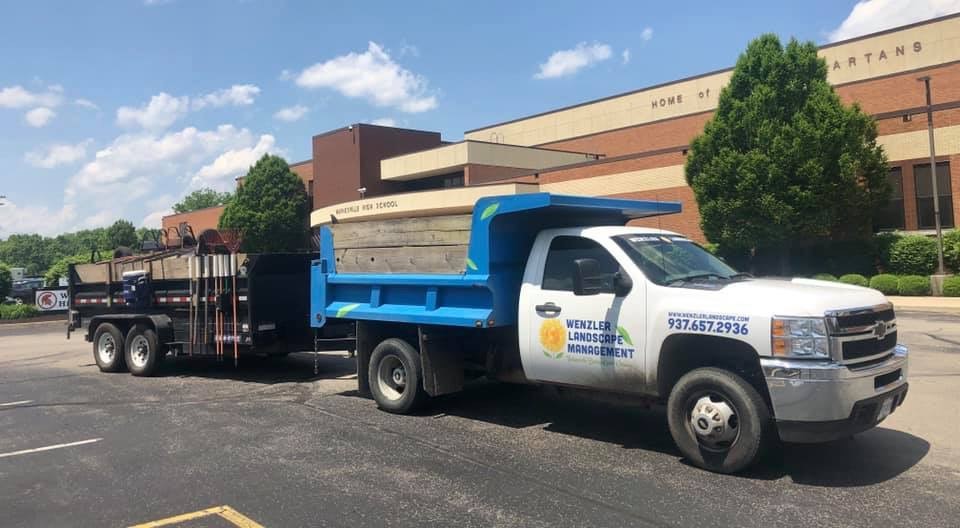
(115, 109)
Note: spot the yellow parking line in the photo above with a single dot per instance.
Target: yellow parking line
(238, 518)
(225, 512)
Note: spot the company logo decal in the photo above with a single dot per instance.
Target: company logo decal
(585, 339)
(47, 301)
(553, 337)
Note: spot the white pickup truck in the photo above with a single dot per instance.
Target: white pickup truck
(645, 313)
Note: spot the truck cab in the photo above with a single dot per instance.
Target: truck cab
(557, 290)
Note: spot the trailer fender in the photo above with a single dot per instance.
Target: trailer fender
(161, 323)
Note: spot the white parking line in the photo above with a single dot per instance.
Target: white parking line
(48, 448)
(10, 404)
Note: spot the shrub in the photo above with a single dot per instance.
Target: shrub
(886, 284)
(825, 277)
(914, 285)
(18, 311)
(951, 250)
(951, 287)
(884, 242)
(914, 255)
(855, 279)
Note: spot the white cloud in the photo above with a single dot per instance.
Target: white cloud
(372, 75)
(236, 95)
(568, 62)
(139, 175)
(291, 113)
(625, 56)
(19, 97)
(34, 219)
(57, 155)
(231, 164)
(869, 16)
(86, 103)
(39, 117)
(385, 121)
(135, 157)
(161, 112)
(164, 109)
(646, 34)
(154, 220)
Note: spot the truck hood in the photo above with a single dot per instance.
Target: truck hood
(798, 297)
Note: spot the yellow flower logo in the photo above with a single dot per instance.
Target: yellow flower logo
(553, 337)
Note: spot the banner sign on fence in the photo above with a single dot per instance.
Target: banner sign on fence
(52, 300)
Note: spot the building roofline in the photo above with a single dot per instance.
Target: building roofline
(451, 143)
(714, 72)
(194, 211)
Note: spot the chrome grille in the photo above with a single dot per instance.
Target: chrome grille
(862, 336)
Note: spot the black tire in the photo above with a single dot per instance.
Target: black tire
(142, 350)
(751, 422)
(392, 394)
(108, 336)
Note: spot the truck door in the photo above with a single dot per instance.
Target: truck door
(589, 340)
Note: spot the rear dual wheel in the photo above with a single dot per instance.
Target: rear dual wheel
(143, 351)
(108, 348)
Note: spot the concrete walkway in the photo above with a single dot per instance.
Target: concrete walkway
(927, 304)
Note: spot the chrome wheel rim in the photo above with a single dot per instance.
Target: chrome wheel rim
(139, 351)
(106, 348)
(714, 421)
(391, 378)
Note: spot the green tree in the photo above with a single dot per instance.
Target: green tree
(121, 233)
(58, 269)
(783, 162)
(6, 281)
(33, 252)
(201, 199)
(270, 208)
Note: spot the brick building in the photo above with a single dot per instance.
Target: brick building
(634, 144)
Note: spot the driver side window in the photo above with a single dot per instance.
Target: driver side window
(558, 270)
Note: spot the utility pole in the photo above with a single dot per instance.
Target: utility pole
(933, 177)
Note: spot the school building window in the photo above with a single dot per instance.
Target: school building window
(891, 216)
(924, 186)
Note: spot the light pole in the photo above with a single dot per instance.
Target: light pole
(933, 177)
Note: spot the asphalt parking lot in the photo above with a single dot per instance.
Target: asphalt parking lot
(271, 444)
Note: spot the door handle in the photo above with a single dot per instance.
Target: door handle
(549, 308)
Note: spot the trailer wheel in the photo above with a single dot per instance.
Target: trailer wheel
(396, 378)
(142, 351)
(108, 348)
(718, 420)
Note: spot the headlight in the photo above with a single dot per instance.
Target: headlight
(799, 337)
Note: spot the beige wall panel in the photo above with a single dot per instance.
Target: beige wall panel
(916, 144)
(621, 183)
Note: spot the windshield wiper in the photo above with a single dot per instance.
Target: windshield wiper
(741, 275)
(695, 276)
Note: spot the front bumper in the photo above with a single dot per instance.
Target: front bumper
(817, 401)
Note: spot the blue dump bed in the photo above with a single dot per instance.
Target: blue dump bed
(502, 232)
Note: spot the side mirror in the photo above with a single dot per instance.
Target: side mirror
(622, 284)
(587, 277)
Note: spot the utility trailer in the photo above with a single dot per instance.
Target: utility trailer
(203, 301)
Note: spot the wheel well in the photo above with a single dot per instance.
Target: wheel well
(681, 353)
(160, 324)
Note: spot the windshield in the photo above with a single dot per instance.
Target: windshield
(673, 259)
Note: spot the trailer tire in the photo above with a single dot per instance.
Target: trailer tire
(142, 350)
(108, 348)
(718, 420)
(396, 377)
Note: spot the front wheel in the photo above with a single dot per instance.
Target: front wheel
(719, 421)
(142, 351)
(396, 379)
